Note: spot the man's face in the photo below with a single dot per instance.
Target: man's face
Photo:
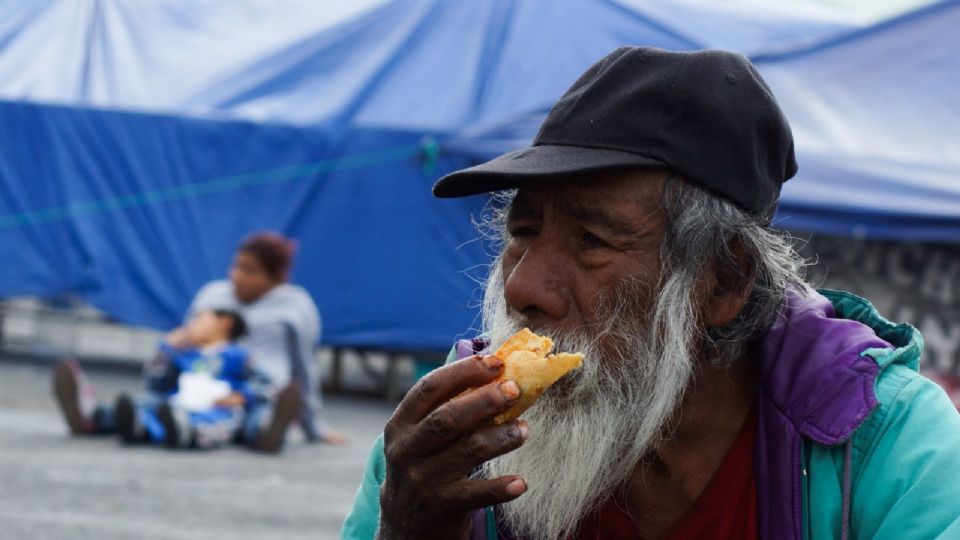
(571, 245)
(582, 264)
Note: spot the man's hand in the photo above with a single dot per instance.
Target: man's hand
(432, 442)
(233, 399)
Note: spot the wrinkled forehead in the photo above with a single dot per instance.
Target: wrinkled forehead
(632, 194)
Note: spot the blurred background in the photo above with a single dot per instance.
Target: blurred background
(140, 141)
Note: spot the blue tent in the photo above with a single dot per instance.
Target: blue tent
(139, 146)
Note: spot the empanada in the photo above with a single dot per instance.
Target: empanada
(527, 361)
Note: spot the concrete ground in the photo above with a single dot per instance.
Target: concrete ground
(55, 487)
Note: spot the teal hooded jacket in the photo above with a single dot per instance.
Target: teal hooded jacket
(852, 441)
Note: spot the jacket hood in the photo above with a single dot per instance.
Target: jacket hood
(819, 362)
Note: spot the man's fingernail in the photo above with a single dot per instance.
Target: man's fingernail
(492, 362)
(516, 487)
(524, 429)
(510, 390)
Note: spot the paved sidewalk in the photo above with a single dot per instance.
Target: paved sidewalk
(55, 487)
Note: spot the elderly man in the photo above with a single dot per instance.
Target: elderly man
(720, 396)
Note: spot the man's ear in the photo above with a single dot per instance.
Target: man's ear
(728, 288)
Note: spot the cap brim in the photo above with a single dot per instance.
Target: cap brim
(536, 163)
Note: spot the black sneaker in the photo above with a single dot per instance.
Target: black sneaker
(285, 409)
(69, 388)
(125, 415)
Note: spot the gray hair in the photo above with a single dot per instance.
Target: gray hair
(703, 234)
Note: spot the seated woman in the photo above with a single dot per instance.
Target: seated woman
(283, 327)
(282, 319)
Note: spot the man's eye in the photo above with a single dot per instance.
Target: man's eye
(591, 241)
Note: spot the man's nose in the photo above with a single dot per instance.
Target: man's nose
(535, 286)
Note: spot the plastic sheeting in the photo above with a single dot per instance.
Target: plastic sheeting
(148, 56)
(139, 146)
(139, 232)
(424, 64)
(875, 115)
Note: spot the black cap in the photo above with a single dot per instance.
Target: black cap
(707, 116)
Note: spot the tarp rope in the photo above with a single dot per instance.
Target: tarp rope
(209, 187)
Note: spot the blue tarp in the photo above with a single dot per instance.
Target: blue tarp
(141, 141)
(876, 117)
(144, 229)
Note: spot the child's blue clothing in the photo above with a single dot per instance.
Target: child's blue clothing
(230, 363)
(207, 427)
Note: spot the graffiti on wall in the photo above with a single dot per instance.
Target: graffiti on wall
(908, 282)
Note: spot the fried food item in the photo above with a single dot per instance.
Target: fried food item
(527, 360)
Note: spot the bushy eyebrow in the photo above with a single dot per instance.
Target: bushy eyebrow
(524, 208)
(597, 217)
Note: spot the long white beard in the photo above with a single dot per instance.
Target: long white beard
(588, 432)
